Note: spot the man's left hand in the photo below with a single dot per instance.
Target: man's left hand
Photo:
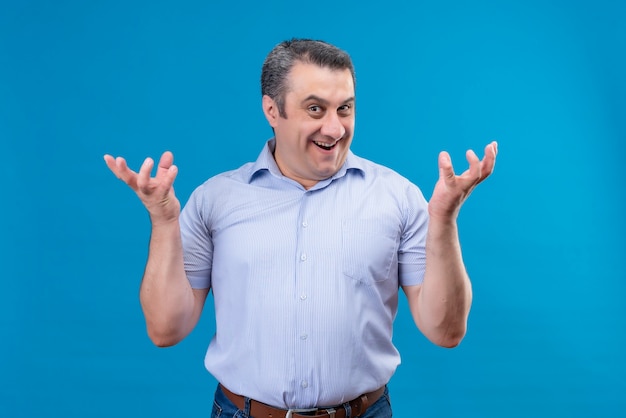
(452, 190)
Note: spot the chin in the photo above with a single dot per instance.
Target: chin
(324, 173)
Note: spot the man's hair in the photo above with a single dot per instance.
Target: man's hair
(286, 54)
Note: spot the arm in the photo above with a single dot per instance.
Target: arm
(171, 307)
(440, 305)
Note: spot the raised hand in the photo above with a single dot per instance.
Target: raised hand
(156, 193)
(452, 190)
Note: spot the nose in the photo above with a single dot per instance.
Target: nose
(332, 127)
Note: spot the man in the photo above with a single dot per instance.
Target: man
(305, 250)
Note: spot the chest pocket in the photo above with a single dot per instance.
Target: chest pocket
(369, 250)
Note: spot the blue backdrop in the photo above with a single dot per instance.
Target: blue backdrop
(542, 238)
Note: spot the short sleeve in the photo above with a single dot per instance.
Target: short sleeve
(412, 249)
(196, 240)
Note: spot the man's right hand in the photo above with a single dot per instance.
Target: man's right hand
(156, 193)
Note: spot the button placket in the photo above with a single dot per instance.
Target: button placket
(302, 285)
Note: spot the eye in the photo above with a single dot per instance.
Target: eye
(315, 111)
(345, 109)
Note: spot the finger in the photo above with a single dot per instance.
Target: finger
(494, 147)
(491, 151)
(125, 174)
(143, 178)
(169, 177)
(120, 169)
(113, 165)
(167, 159)
(475, 168)
(166, 170)
(165, 162)
(489, 161)
(110, 162)
(446, 171)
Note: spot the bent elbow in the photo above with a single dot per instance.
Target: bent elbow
(163, 340)
(163, 343)
(450, 339)
(450, 342)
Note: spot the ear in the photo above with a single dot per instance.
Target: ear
(270, 109)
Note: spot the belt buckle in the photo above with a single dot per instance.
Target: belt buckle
(290, 411)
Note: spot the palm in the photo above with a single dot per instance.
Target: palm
(451, 190)
(156, 193)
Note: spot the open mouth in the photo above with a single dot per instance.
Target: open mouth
(325, 146)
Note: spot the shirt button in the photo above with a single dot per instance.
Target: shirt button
(303, 257)
(305, 224)
(302, 296)
(304, 384)
(303, 336)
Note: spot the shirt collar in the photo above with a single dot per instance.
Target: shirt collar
(266, 163)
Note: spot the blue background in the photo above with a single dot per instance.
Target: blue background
(542, 238)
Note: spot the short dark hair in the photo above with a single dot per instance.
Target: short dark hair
(284, 56)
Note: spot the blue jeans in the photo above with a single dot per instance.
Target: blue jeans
(224, 408)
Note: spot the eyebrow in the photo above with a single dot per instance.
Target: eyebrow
(324, 101)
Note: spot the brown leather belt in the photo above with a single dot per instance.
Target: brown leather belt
(261, 410)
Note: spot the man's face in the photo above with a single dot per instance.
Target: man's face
(312, 142)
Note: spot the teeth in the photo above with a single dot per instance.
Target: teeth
(322, 144)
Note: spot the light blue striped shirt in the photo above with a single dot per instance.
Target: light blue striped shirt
(305, 281)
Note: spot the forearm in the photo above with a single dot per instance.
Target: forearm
(446, 294)
(166, 296)
(441, 304)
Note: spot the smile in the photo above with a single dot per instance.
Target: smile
(324, 145)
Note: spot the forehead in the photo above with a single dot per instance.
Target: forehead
(306, 79)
